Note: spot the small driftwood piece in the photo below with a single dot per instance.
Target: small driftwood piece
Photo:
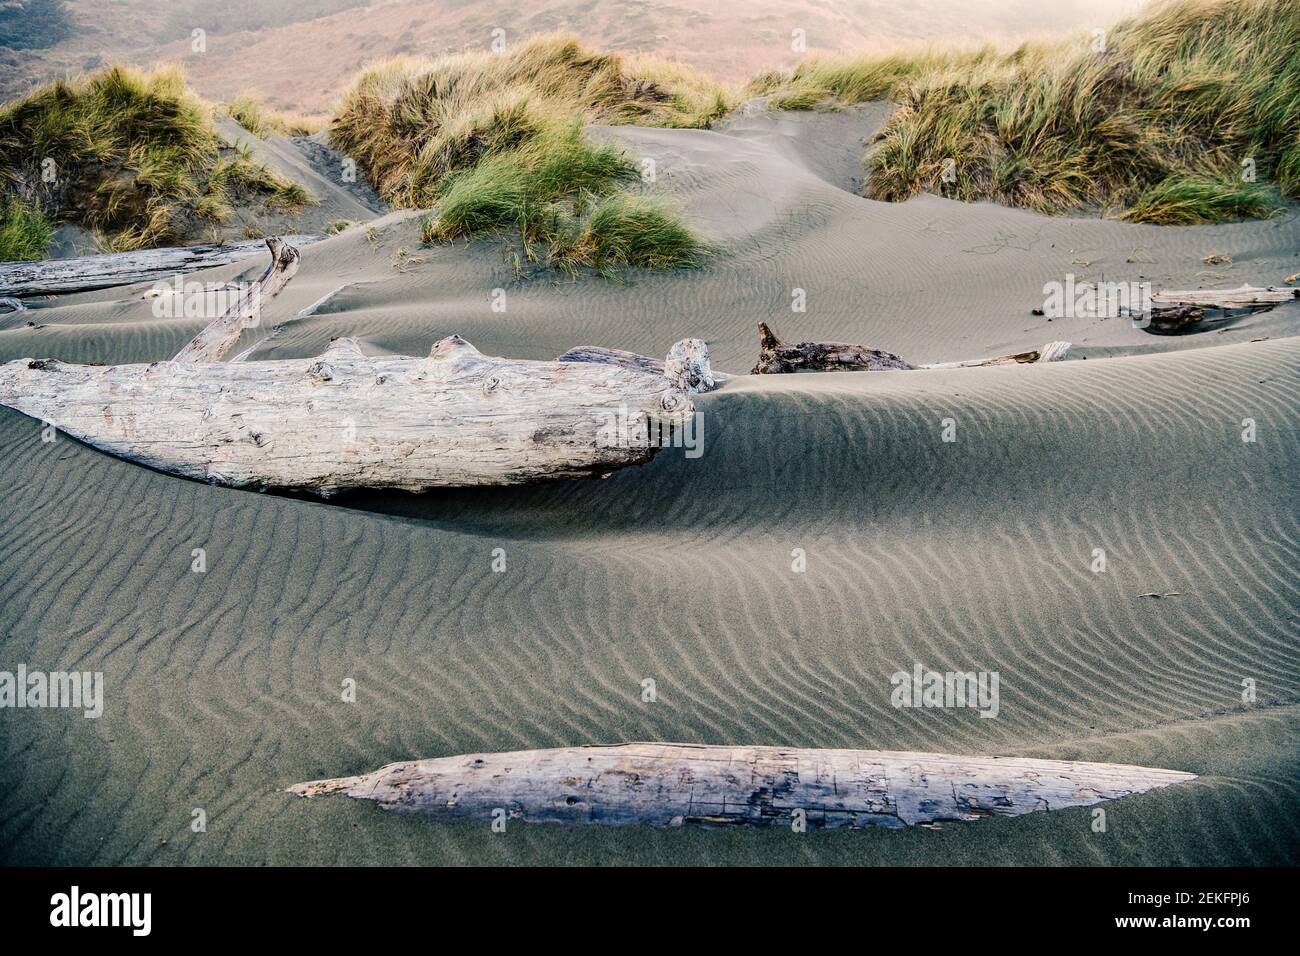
(344, 420)
(778, 357)
(669, 785)
(1175, 313)
(1245, 297)
(219, 337)
(86, 273)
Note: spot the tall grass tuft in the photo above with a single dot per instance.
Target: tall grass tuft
(1189, 112)
(127, 153)
(496, 142)
(25, 233)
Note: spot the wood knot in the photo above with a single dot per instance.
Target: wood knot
(321, 372)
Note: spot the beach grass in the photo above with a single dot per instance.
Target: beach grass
(497, 142)
(129, 154)
(1189, 112)
(25, 233)
(251, 112)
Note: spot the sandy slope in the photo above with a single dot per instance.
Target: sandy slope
(225, 686)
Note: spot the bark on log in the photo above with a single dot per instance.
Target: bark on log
(777, 357)
(344, 420)
(665, 785)
(220, 336)
(83, 274)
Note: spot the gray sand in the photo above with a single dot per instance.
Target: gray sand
(224, 687)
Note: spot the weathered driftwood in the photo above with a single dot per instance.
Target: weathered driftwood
(344, 420)
(1241, 298)
(1173, 320)
(57, 276)
(1175, 313)
(10, 304)
(778, 357)
(219, 337)
(668, 785)
(1051, 352)
(687, 365)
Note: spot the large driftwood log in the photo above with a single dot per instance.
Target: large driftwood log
(344, 420)
(668, 785)
(85, 273)
(778, 357)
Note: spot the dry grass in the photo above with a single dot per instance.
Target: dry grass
(249, 111)
(1155, 127)
(129, 154)
(496, 141)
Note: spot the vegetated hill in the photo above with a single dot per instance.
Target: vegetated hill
(1189, 112)
(129, 156)
(497, 142)
(301, 55)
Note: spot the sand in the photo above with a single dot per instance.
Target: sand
(224, 687)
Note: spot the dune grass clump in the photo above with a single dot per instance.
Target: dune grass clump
(128, 154)
(496, 141)
(25, 233)
(1189, 112)
(249, 111)
(626, 230)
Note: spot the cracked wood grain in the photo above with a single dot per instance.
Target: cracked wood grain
(669, 785)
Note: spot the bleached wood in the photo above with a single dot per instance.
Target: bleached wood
(687, 365)
(1239, 298)
(217, 338)
(666, 785)
(1051, 352)
(85, 273)
(345, 420)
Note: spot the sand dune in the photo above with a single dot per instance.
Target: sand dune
(224, 687)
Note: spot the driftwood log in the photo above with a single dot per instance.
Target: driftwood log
(219, 337)
(344, 420)
(778, 357)
(1175, 312)
(1245, 297)
(667, 785)
(85, 273)
(687, 365)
